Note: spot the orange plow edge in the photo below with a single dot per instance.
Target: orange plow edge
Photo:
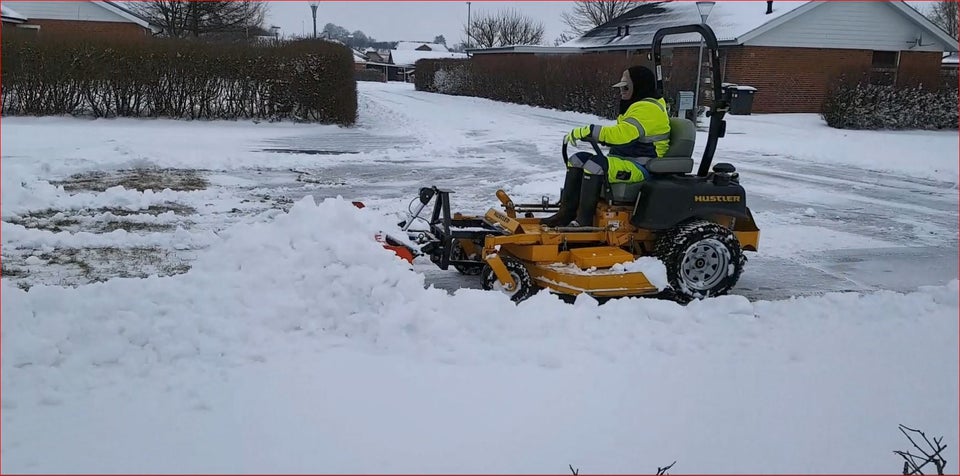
(402, 250)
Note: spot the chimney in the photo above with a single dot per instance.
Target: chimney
(619, 31)
(626, 30)
(769, 8)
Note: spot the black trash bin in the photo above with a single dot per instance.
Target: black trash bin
(741, 99)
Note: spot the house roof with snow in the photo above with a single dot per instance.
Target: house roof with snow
(124, 12)
(734, 23)
(358, 57)
(950, 60)
(10, 15)
(420, 45)
(77, 11)
(731, 21)
(410, 57)
(747, 22)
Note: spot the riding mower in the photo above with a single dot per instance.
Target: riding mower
(697, 226)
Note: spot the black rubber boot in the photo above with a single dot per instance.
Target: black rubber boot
(589, 197)
(569, 199)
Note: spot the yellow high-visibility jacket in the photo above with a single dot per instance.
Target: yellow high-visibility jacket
(643, 131)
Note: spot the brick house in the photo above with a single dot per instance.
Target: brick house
(10, 20)
(377, 56)
(790, 51)
(79, 18)
(359, 60)
(400, 64)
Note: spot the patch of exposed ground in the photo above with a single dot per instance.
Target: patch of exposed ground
(50, 220)
(74, 266)
(136, 179)
(72, 220)
(133, 227)
(8, 271)
(77, 266)
(278, 202)
(154, 210)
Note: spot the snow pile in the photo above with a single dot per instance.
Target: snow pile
(314, 271)
(652, 268)
(290, 319)
(323, 253)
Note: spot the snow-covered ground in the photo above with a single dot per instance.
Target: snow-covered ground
(243, 320)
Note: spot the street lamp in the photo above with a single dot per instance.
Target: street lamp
(704, 8)
(469, 27)
(313, 8)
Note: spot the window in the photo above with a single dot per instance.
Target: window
(885, 59)
(883, 70)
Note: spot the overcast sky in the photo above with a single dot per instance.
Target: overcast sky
(416, 21)
(402, 20)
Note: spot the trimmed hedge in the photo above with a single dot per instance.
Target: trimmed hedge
(871, 107)
(579, 83)
(304, 81)
(371, 75)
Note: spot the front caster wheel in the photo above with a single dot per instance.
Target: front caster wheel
(524, 289)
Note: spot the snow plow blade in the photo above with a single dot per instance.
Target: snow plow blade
(402, 250)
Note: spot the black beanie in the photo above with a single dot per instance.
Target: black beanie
(644, 86)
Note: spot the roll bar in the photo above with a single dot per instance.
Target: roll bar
(721, 101)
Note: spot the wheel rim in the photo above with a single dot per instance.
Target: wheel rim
(496, 286)
(704, 264)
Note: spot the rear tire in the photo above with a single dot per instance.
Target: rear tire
(703, 259)
(525, 286)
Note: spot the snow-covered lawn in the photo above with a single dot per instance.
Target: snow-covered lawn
(244, 320)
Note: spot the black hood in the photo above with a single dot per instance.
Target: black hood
(644, 86)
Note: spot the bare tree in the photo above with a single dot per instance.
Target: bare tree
(589, 14)
(180, 18)
(482, 31)
(516, 29)
(944, 14)
(504, 28)
(563, 38)
(913, 464)
(663, 471)
(660, 471)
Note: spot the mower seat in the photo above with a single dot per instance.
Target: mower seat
(679, 157)
(677, 160)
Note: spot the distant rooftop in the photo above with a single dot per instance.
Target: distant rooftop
(413, 45)
(730, 20)
(409, 57)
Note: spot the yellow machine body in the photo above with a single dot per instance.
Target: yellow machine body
(547, 255)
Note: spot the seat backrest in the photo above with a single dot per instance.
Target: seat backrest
(683, 136)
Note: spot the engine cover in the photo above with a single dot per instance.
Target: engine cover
(666, 201)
